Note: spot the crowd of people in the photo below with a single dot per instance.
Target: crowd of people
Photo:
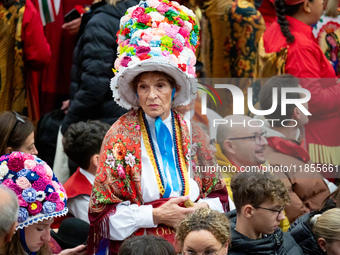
(138, 168)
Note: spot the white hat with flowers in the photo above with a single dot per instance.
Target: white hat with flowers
(40, 195)
(156, 35)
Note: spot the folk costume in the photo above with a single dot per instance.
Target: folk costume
(305, 59)
(78, 188)
(133, 177)
(23, 50)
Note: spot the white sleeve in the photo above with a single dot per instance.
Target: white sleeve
(214, 203)
(79, 207)
(129, 218)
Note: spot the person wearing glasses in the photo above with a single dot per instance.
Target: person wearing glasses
(205, 232)
(307, 189)
(239, 146)
(16, 133)
(260, 199)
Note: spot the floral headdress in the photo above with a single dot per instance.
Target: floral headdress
(39, 193)
(156, 35)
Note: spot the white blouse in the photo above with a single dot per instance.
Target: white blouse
(131, 217)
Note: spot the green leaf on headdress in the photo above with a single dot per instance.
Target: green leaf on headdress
(141, 26)
(184, 16)
(196, 29)
(167, 41)
(170, 14)
(150, 9)
(164, 48)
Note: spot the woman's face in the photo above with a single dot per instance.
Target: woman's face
(203, 242)
(333, 248)
(154, 92)
(316, 9)
(38, 234)
(28, 146)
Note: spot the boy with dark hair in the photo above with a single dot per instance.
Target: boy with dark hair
(307, 189)
(82, 142)
(260, 200)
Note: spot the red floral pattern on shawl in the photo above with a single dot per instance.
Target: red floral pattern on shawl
(119, 180)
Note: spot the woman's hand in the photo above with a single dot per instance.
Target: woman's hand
(170, 213)
(73, 26)
(79, 250)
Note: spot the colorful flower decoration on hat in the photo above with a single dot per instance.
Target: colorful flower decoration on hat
(156, 35)
(39, 193)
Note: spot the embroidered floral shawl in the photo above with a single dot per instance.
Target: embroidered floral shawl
(118, 176)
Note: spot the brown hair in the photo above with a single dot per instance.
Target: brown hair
(171, 80)
(15, 247)
(205, 219)
(14, 130)
(266, 96)
(256, 188)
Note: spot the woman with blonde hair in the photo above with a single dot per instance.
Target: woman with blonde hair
(318, 234)
(204, 231)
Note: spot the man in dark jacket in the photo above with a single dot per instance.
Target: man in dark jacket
(259, 200)
(301, 231)
(93, 59)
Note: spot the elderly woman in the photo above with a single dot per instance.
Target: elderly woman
(142, 178)
(204, 232)
(41, 199)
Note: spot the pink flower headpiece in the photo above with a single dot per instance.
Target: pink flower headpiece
(156, 35)
(39, 193)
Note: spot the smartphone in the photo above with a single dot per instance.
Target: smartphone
(71, 15)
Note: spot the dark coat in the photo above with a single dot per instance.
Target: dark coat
(93, 60)
(275, 244)
(301, 231)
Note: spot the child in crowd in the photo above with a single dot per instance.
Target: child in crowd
(260, 199)
(82, 142)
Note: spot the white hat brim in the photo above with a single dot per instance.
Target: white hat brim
(125, 95)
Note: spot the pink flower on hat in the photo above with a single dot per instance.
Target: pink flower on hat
(171, 31)
(28, 156)
(162, 8)
(16, 162)
(144, 18)
(147, 37)
(40, 170)
(49, 171)
(53, 197)
(60, 206)
(137, 12)
(184, 32)
(34, 208)
(23, 183)
(125, 61)
(177, 45)
(140, 50)
(153, 3)
(21, 201)
(30, 163)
